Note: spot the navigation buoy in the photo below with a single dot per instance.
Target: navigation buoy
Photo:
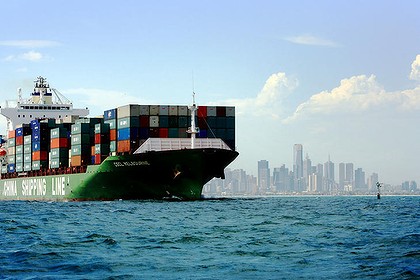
(378, 185)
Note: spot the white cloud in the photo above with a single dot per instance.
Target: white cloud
(355, 95)
(31, 56)
(277, 87)
(29, 44)
(415, 69)
(311, 40)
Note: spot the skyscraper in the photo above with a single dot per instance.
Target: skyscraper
(263, 176)
(298, 161)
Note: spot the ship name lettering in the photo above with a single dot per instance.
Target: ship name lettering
(130, 163)
(9, 188)
(57, 186)
(37, 186)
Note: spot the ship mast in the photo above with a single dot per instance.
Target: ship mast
(193, 130)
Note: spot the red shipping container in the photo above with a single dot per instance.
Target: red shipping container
(163, 133)
(80, 160)
(202, 111)
(39, 155)
(99, 158)
(123, 146)
(59, 143)
(113, 134)
(144, 121)
(101, 138)
(19, 140)
(154, 132)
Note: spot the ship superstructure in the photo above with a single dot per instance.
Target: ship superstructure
(44, 102)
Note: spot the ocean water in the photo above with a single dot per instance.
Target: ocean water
(259, 238)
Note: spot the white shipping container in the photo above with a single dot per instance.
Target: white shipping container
(173, 110)
(130, 110)
(154, 110)
(211, 111)
(183, 111)
(230, 111)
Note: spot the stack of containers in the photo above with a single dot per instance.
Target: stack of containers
(41, 143)
(27, 152)
(110, 117)
(59, 153)
(128, 123)
(144, 122)
(11, 151)
(154, 121)
(101, 142)
(20, 132)
(80, 144)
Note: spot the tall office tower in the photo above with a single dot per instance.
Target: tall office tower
(281, 180)
(372, 180)
(320, 177)
(263, 176)
(307, 169)
(359, 180)
(349, 178)
(329, 175)
(298, 161)
(341, 175)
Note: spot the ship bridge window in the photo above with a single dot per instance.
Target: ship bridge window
(31, 107)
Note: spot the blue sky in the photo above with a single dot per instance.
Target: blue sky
(340, 77)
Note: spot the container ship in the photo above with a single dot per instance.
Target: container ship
(53, 151)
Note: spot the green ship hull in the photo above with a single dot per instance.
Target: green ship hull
(151, 175)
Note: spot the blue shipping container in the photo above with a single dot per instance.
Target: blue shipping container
(110, 114)
(129, 133)
(11, 168)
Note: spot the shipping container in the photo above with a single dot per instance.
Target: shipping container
(127, 146)
(183, 111)
(19, 140)
(11, 167)
(154, 110)
(130, 110)
(173, 132)
(19, 149)
(39, 155)
(77, 139)
(173, 110)
(230, 122)
(59, 162)
(144, 133)
(11, 134)
(27, 139)
(230, 134)
(211, 111)
(50, 123)
(112, 123)
(59, 143)
(220, 111)
(78, 150)
(101, 149)
(3, 169)
(23, 131)
(11, 159)
(37, 165)
(19, 158)
(144, 121)
(163, 132)
(59, 132)
(102, 128)
(79, 160)
(99, 158)
(163, 121)
(202, 133)
(221, 133)
(153, 132)
(230, 111)
(102, 139)
(79, 128)
(11, 142)
(202, 111)
(59, 153)
(27, 158)
(19, 166)
(27, 166)
(38, 146)
(220, 122)
(130, 133)
(113, 146)
(154, 121)
(34, 124)
(183, 121)
(182, 133)
(128, 122)
(110, 114)
(90, 121)
(144, 110)
(163, 110)
(173, 121)
(27, 149)
(113, 135)
(11, 150)
(211, 122)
